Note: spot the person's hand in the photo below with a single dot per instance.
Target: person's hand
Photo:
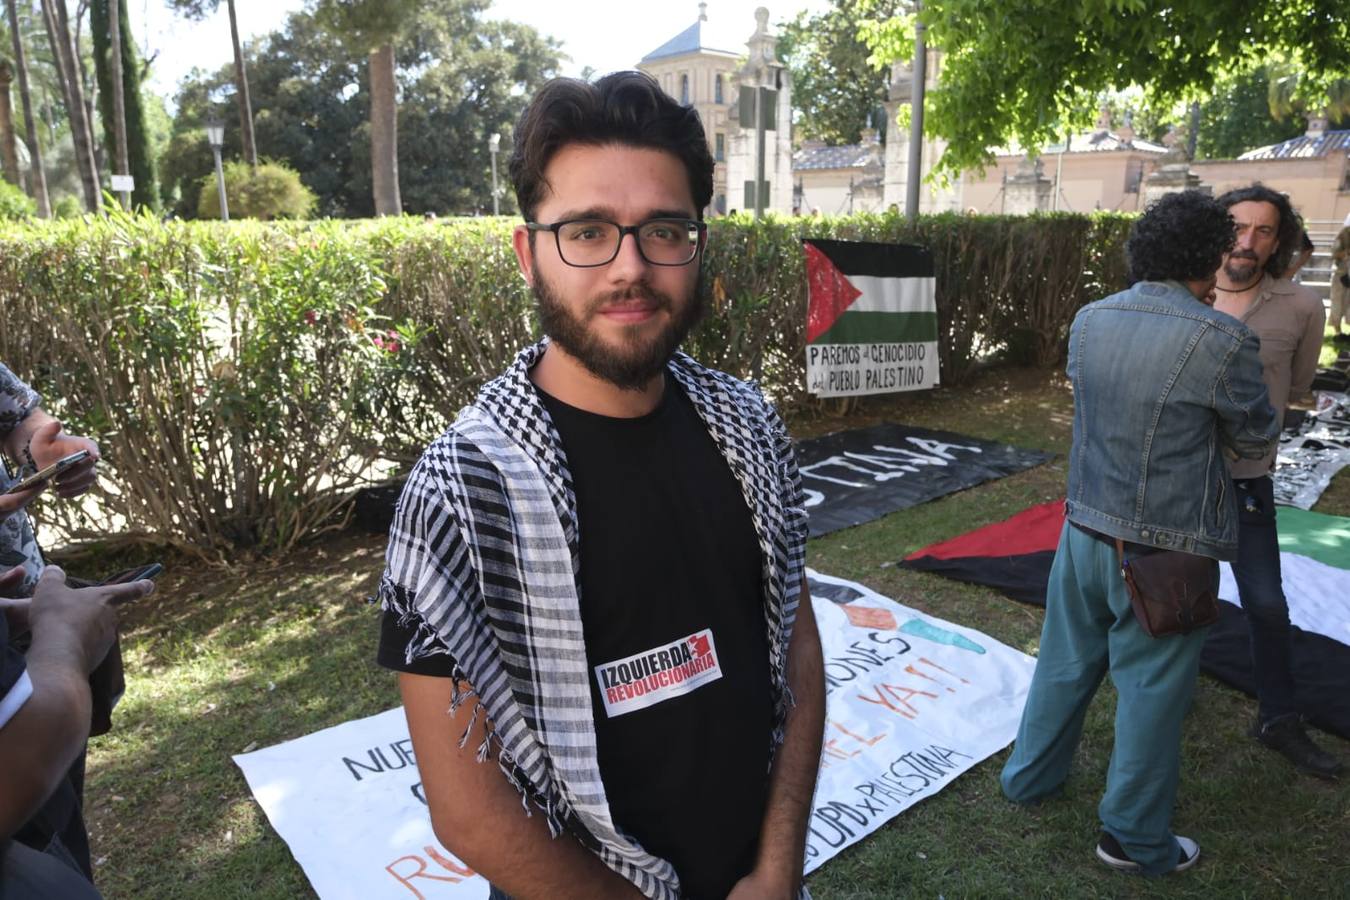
(85, 617)
(12, 503)
(50, 444)
(16, 611)
(760, 885)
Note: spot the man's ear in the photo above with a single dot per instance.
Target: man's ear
(520, 242)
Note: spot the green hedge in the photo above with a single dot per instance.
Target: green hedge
(243, 379)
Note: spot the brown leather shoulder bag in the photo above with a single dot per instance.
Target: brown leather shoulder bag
(1171, 592)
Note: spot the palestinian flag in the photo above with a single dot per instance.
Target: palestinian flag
(871, 323)
(1014, 557)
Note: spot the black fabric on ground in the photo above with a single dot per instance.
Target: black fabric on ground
(856, 476)
(1321, 668)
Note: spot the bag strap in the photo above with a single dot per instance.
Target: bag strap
(1120, 556)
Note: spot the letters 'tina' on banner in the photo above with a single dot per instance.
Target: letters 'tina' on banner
(871, 322)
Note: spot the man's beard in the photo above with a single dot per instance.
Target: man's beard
(1241, 266)
(635, 361)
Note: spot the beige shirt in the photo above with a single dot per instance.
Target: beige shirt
(1289, 319)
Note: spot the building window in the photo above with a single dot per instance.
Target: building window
(717, 90)
(721, 204)
(684, 88)
(720, 147)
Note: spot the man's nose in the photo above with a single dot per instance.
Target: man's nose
(628, 265)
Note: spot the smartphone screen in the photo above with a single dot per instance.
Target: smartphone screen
(153, 570)
(51, 471)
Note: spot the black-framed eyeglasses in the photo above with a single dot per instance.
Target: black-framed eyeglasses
(586, 243)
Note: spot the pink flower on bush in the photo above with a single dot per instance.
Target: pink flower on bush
(388, 343)
(311, 317)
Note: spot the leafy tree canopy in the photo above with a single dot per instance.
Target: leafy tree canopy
(1014, 70)
(836, 85)
(461, 78)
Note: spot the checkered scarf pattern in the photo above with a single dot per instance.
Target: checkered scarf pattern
(483, 564)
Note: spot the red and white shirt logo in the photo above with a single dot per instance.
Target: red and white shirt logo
(654, 676)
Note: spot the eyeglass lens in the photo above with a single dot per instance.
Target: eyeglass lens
(664, 242)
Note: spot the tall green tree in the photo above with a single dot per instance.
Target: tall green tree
(200, 9)
(37, 171)
(1024, 72)
(371, 27)
(837, 88)
(66, 58)
(140, 159)
(1236, 117)
(464, 77)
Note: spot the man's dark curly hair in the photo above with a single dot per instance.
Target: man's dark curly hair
(1180, 237)
(1291, 224)
(622, 108)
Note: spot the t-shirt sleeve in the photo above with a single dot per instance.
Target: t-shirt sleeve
(17, 400)
(426, 567)
(15, 686)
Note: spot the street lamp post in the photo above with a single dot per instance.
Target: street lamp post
(215, 136)
(494, 144)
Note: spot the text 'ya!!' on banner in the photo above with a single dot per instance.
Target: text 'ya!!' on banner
(871, 322)
(912, 702)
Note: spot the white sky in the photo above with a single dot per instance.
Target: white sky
(603, 34)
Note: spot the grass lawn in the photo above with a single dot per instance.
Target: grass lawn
(224, 661)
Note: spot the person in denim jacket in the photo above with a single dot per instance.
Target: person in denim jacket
(1164, 388)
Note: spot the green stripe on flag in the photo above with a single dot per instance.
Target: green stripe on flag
(1321, 537)
(881, 328)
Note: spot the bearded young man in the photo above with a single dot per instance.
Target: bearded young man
(1289, 320)
(595, 577)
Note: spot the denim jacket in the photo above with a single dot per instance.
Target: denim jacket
(1163, 386)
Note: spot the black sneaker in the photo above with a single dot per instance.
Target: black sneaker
(1287, 737)
(1110, 852)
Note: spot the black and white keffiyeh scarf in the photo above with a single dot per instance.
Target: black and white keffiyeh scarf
(483, 562)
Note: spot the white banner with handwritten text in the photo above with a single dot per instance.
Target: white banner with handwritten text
(914, 701)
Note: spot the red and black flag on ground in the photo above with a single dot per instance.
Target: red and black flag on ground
(1015, 556)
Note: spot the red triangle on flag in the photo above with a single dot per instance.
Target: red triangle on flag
(829, 291)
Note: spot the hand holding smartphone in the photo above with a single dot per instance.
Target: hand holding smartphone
(52, 471)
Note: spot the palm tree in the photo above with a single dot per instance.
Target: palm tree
(37, 173)
(371, 27)
(1284, 101)
(72, 88)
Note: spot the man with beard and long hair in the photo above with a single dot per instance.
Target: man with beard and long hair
(595, 576)
(1289, 320)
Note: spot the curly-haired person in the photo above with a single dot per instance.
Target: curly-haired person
(1289, 320)
(1163, 386)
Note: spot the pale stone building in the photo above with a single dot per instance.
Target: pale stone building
(705, 65)
(837, 181)
(1106, 168)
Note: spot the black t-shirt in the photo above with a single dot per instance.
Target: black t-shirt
(673, 618)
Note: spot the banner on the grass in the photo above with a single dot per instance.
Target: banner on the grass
(851, 477)
(871, 322)
(913, 701)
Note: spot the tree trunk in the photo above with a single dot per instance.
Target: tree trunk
(63, 50)
(241, 94)
(384, 132)
(9, 150)
(119, 100)
(37, 173)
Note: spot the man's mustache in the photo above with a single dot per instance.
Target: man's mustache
(1242, 254)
